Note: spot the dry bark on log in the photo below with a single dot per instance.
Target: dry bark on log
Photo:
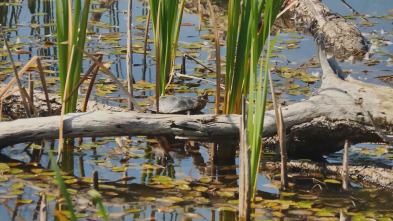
(103, 123)
(339, 110)
(342, 38)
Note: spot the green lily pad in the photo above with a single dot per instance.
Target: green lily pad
(4, 167)
(332, 181)
(16, 186)
(293, 86)
(133, 210)
(39, 14)
(98, 10)
(324, 213)
(287, 194)
(226, 208)
(24, 201)
(200, 188)
(291, 42)
(140, 18)
(285, 75)
(26, 176)
(309, 79)
(3, 179)
(16, 192)
(184, 187)
(295, 93)
(205, 180)
(305, 204)
(174, 199)
(225, 193)
(163, 179)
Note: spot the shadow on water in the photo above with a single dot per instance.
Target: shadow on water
(186, 185)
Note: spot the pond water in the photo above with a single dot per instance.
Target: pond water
(141, 185)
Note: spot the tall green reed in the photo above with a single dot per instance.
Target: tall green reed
(256, 112)
(63, 190)
(71, 30)
(246, 39)
(240, 46)
(165, 15)
(257, 105)
(62, 185)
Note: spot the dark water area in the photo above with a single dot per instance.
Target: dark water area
(141, 184)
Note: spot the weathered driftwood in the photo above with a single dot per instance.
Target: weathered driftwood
(104, 123)
(362, 174)
(339, 110)
(341, 37)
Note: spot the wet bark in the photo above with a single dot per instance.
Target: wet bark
(364, 175)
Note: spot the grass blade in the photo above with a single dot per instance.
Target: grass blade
(62, 186)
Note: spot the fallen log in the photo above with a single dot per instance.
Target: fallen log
(364, 175)
(343, 108)
(104, 123)
(342, 38)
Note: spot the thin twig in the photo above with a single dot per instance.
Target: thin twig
(81, 166)
(43, 207)
(2, 101)
(63, 105)
(200, 14)
(218, 65)
(28, 146)
(80, 82)
(244, 168)
(379, 131)
(287, 8)
(273, 98)
(145, 39)
(196, 61)
(107, 72)
(91, 84)
(130, 77)
(1, 108)
(345, 173)
(23, 92)
(283, 149)
(281, 134)
(31, 87)
(31, 93)
(43, 82)
(95, 180)
(158, 59)
(20, 73)
(202, 79)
